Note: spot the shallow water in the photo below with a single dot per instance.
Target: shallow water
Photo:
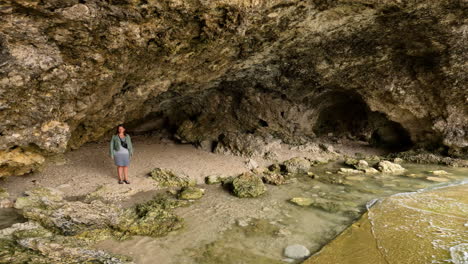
(10, 216)
(221, 228)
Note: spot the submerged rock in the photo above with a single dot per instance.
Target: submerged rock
(301, 201)
(248, 185)
(297, 165)
(191, 193)
(439, 172)
(296, 252)
(390, 167)
(437, 179)
(167, 178)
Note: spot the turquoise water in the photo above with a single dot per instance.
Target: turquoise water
(221, 228)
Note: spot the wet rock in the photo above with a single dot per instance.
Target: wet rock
(439, 172)
(370, 170)
(389, 167)
(167, 178)
(96, 220)
(437, 179)
(301, 201)
(213, 179)
(398, 160)
(248, 185)
(296, 252)
(274, 178)
(351, 162)
(191, 193)
(29, 242)
(348, 171)
(297, 165)
(37, 197)
(361, 165)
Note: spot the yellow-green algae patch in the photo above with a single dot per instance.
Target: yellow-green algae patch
(412, 228)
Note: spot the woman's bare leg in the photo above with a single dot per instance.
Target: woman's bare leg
(125, 169)
(120, 172)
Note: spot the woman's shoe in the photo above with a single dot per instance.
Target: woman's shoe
(121, 182)
(127, 182)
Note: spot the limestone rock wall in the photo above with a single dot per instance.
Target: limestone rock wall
(71, 70)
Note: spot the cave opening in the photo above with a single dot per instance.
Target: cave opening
(346, 114)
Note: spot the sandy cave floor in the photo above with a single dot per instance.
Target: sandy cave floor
(81, 171)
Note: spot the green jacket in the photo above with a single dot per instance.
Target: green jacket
(115, 145)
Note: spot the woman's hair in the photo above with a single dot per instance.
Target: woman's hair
(117, 129)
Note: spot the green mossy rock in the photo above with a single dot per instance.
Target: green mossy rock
(248, 185)
(167, 178)
(191, 193)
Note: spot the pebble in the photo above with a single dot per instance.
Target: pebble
(296, 251)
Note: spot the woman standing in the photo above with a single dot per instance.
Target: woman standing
(121, 150)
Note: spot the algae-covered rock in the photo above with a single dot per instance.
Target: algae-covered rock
(274, 178)
(351, 162)
(38, 196)
(390, 167)
(301, 201)
(167, 178)
(297, 165)
(91, 219)
(191, 193)
(213, 179)
(30, 242)
(248, 185)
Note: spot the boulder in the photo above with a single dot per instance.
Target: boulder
(297, 165)
(248, 185)
(390, 167)
(273, 178)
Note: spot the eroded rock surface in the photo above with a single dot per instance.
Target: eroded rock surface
(222, 73)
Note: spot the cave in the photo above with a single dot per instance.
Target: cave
(248, 127)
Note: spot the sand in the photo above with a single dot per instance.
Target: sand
(81, 171)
